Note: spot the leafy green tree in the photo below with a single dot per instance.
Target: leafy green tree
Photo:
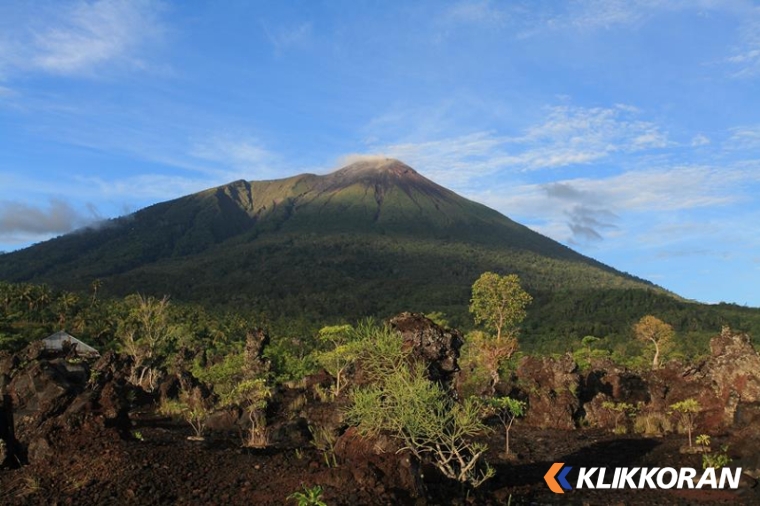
(651, 329)
(498, 302)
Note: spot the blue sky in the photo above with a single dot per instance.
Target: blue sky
(628, 130)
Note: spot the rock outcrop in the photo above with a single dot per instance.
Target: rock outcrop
(48, 395)
(550, 386)
(429, 342)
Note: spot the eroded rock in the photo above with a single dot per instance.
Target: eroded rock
(551, 386)
(435, 345)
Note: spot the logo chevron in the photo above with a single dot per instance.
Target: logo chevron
(558, 483)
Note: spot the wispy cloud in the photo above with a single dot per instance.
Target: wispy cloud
(567, 136)
(285, 38)
(744, 138)
(584, 210)
(142, 189)
(608, 13)
(700, 140)
(745, 59)
(59, 217)
(475, 12)
(79, 38)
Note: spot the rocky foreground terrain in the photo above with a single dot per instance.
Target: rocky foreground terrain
(77, 432)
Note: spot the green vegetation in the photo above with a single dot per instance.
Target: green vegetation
(712, 459)
(507, 410)
(310, 496)
(344, 346)
(651, 329)
(192, 407)
(499, 303)
(427, 421)
(686, 411)
(622, 411)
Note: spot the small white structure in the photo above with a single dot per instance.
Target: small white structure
(55, 342)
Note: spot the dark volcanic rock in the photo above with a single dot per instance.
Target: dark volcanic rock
(53, 394)
(727, 385)
(551, 386)
(435, 345)
(375, 461)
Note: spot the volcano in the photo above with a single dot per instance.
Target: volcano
(372, 238)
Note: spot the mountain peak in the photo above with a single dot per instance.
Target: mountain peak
(377, 165)
(382, 172)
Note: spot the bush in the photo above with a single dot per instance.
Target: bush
(414, 410)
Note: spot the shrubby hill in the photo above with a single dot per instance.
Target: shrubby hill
(373, 238)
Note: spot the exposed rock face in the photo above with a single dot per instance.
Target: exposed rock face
(727, 385)
(53, 394)
(551, 387)
(375, 460)
(431, 343)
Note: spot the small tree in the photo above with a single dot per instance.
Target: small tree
(506, 410)
(498, 302)
(143, 335)
(622, 411)
(343, 351)
(686, 411)
(192, 406)
(252, 395)
(651, 329)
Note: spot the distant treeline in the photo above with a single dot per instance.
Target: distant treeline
(557, 322)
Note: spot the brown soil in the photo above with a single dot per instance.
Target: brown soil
(166, 468)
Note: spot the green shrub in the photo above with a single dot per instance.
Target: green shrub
(426, 420)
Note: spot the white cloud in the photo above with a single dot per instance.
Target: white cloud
(700, 140)
(584, 210)
(567, 136)
(745, 60)
(744, 138)
(79, 38)
(285, 38)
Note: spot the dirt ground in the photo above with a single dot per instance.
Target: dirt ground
(162, 467)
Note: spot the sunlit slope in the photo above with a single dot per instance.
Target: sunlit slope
(373, 237)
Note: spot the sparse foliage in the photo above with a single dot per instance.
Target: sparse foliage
(427, 422)
(506, 410)
(651, 329)
(622, 411)
(686, 411)
(143, 334)
(192, 406)
(344, 345)
(712, 459)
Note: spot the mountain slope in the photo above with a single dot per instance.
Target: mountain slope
(371, 238)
